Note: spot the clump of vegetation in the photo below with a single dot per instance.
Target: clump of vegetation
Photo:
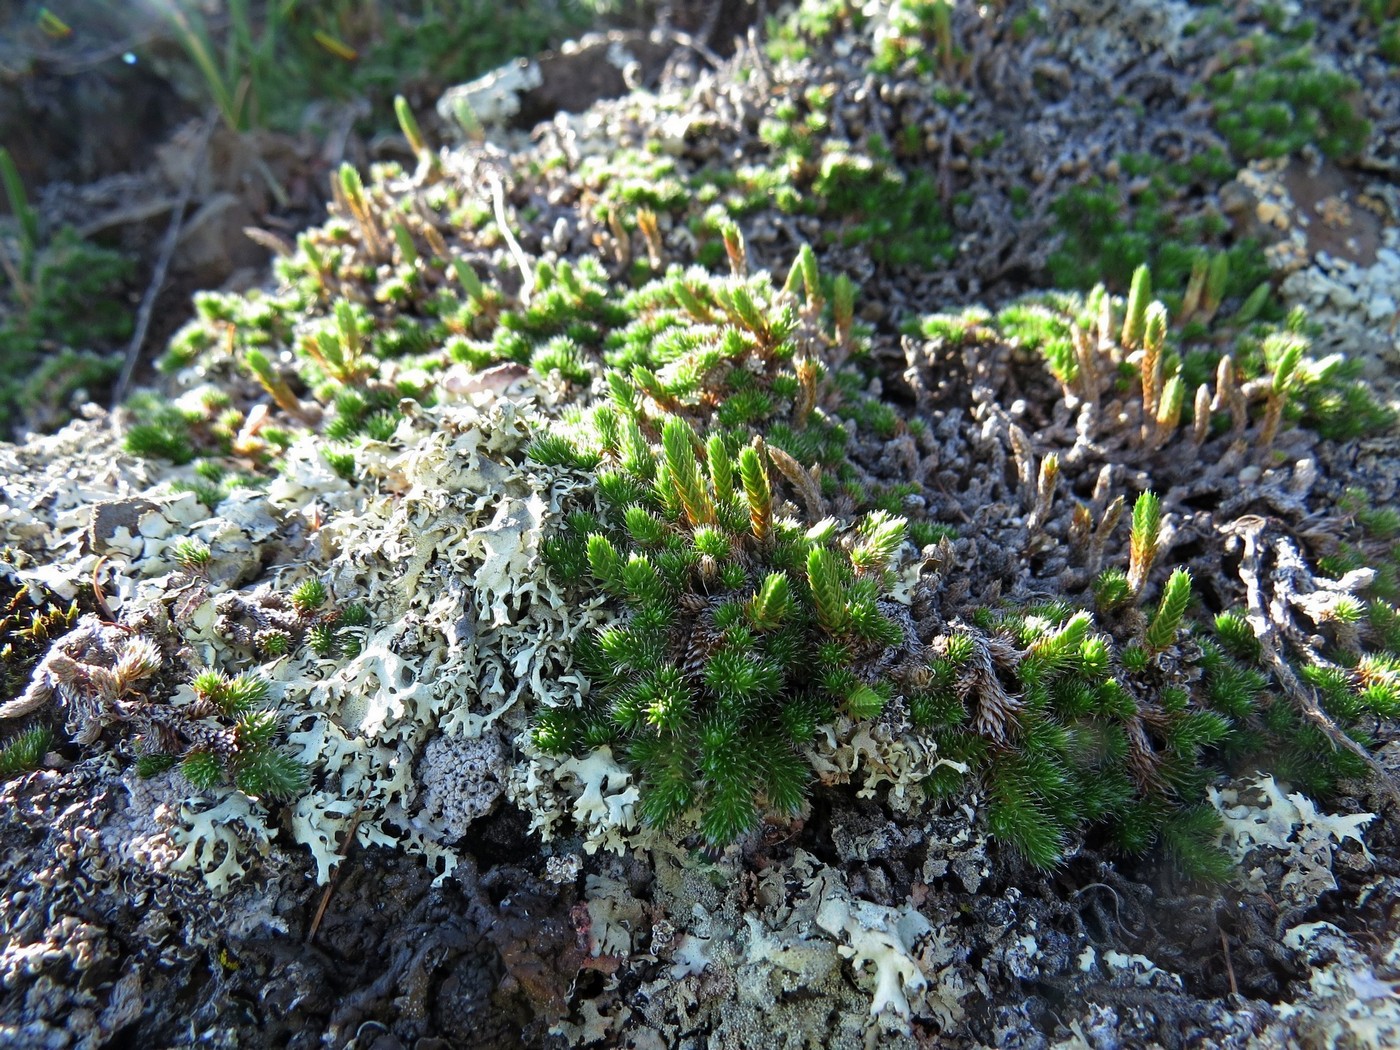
(721, 452)
(707, 683)
(755, 564)
(266, 64)
(26, 628)
(730, 604)
(62, 294)
(99, 675)
(1383, 20)
(1108, 228)
(1276, 99)
(864, 192)
(1179, 360)
(333, 366)
(1368, 544)
(1088, 732)
(920, 33)
(740, 632)
(225, 735)
(1213, 709)
(271, 624)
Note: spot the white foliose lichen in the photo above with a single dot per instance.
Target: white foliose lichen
(911, 961)
(1349, 1002)
(1259, 815)
(465, 625)
(218, 838)
(875, 755)
(604, 797)
(438, 538)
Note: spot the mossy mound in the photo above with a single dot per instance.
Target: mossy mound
(776, 590)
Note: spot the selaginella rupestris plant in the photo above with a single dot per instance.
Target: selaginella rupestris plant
(1295, 698)
(225, 735)
(742, 631)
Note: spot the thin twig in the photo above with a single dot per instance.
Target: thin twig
(98, 598)
(699, 43)
(341, 854)
(167, 252)
(1229, 964)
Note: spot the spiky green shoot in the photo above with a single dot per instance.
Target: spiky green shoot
(804, 273)
(1056, 651)
(1192, 839)
(843, 307)
(321, 640)
(1191, 300)
(309, 596)
(1287, 351)
(753, 472)
(24, 213)
(242, 693)
(883, 535)
(771, 605)
(470, 282)
(1253, 305)
(1237, 635)
(721, 470)
(1154, 338)
(268, 772)
(811, 278)
(1176, 596)
(1217, 281)
(353, 187)
(408, 124)
(678, 442)
(735, 248)
(828, 590)
(865, 703)
(271, 381)
(1170, 406)
(351, 344)
(1142, 543)
(605, 562)
(408, 250)
(1135, 322)
(193, 556)
(1290, 349)
(25, 751)
(203, 769)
